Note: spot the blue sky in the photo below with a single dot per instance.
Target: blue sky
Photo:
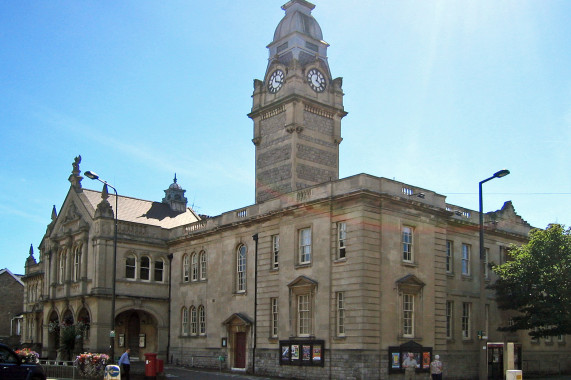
(440, 95)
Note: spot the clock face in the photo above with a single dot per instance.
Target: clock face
(276, 81)
(316, 80)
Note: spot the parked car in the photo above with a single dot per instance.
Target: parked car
(13, 367)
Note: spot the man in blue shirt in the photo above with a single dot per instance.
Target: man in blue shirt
(125, 364)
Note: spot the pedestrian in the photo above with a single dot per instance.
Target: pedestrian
(436, 368)
(409, 364)
(125, 364)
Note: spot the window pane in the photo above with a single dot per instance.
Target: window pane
(186, 268)
(340, 313)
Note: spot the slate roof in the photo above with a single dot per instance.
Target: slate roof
(144, 212)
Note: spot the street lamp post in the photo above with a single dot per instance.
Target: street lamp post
(483, 352)
(93, 175)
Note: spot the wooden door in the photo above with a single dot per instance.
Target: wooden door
(240, 350)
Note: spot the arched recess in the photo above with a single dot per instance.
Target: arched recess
(137, 330)
(84, 318)
(53, 334)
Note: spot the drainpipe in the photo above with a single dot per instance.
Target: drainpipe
(255, 237)
(170, 257)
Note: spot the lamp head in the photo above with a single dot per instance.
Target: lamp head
(90, 174)
(501, 173)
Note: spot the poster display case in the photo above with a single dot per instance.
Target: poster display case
(407, 354)
(302, 352)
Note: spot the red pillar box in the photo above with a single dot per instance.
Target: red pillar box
(150, 366)
(160, 366)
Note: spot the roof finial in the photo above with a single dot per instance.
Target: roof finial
(74, 177)
(174, 177)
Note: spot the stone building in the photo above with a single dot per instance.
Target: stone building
(321, 278)
(12, 295)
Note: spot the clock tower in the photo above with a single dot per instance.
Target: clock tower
(297, 109)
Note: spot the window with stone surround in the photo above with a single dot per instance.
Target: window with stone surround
(193, 321)
(410, 290)
(194, 266)
(304, 239)
(340, 317)
(341, 240)
(203, 265)
(407, 249)
(201, 320)
(274, 317)
(408, 315)
(159, 270)
(466, 259)
(131, 266)
(466, 320)
(145, 273)
(241, 269)
(184, 319)
(449, 256)
(302, 298)
(76, 263)
(61, 272)
(275, 251)
(186, 268)
(449, 319)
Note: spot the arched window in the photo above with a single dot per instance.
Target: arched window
(203, 265)
(130, 267)
(185, 268)
(201, 320)
(193, 321)
(184, 320)
(76, 263)
(194, 266)
(145, 273)
(241, 269)
(159, 270)
(61, 271)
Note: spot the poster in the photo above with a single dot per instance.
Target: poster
(305, 352)
(316, 353)
(294, 352)
(285, 353)
(426, 360)
(395, 360)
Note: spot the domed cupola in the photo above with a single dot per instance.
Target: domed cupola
(298, 36)
(174, 197)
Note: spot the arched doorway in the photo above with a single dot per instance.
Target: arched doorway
(238, 328)
(137, 330)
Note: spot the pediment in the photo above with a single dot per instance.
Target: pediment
(410, 283)
(238, 319)
(73, 217)
(302, 281)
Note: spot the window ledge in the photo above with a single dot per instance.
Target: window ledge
(340, 260)
(466, 277)
(409, 264)
(304, 265)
